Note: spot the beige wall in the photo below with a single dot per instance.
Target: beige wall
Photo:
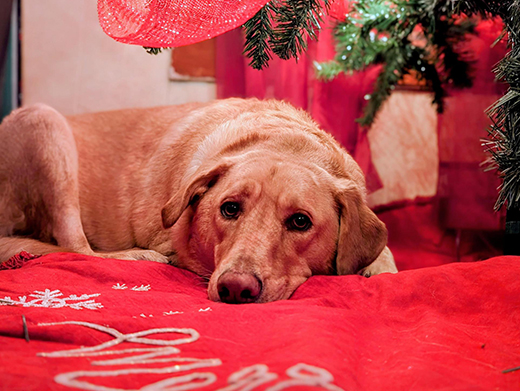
(69, 63)
(404, 147)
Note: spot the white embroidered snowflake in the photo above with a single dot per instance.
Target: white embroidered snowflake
(119, 286)
(205, 309)
(52, 299)
(142, 288)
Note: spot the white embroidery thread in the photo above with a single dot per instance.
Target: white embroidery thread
(120, 337)
(249, 378)
(307, 375)
(166, 348)
(119, 286)
(53, 299)
(246, 379)
(142, 288)
(69, 380)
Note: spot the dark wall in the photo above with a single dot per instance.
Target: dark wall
(5, 25)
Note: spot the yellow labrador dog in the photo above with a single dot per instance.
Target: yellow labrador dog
(249, 194)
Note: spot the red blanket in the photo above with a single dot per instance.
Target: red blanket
(117, 325)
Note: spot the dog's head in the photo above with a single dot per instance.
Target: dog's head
(260, 226)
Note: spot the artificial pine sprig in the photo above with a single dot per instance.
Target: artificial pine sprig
(296, 21)
(259, 32)
(503, 141)
(385, 83)
(380, 31)
(282, 27)
(153, 51)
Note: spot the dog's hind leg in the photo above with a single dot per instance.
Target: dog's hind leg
(39, 188)
(39, 164)
(10, 246)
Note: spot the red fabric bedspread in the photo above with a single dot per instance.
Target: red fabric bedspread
(453, 327)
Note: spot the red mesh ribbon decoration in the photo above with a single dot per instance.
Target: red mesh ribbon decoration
(171, 23)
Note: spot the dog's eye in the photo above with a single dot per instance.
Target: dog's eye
(299, 222)
(230, 210)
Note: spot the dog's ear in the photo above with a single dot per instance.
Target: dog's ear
(190, 190)
(362, 236)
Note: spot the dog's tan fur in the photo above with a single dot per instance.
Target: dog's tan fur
(148, 184)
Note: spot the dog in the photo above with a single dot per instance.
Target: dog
(251, 195)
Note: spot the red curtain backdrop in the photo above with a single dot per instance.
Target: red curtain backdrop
(466, 193)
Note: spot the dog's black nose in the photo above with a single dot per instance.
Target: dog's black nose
(237, 288)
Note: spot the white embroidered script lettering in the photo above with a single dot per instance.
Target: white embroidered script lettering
(246, 379)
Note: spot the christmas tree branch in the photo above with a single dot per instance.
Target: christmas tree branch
(503, 141)
(282, 28)
(259, 32)
(375, 28)
(296, 21)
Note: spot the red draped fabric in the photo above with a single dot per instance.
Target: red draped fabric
(466, 193)
(69, 321)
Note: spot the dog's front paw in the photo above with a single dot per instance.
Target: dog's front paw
(377, 268)
(383, 264)
(365, 272)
